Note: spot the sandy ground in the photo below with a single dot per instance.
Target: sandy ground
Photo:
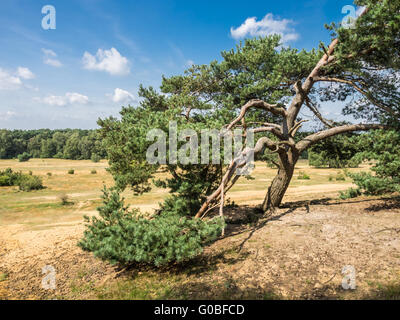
(294, 253)
(301, 254)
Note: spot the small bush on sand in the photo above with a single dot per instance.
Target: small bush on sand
(9, 178)
(25, 182)
(303, 176)
(5, 181)
(125, 237)
(349, 194)
(29, 183)
(64, 199)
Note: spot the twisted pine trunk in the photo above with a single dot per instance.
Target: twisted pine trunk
(280, 184)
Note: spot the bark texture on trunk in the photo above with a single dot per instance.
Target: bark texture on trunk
(280, 183)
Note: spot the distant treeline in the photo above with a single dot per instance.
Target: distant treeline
(78, 144)
(74, 144)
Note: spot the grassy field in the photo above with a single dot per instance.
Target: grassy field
(84, 190)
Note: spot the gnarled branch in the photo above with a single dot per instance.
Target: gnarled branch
(237, 163)
(275, 109)
(314, 138)
(328, 123)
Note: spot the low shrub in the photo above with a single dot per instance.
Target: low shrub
(349, 194)
(373, 185)
(123, 236)
(24, 157)
(28, 183)
(322, 160)
(335, 152)
(5, 181)
(71, 171)
(93, 172)
(9, 178)
(381, 148)
(25, 182)
(64, 199)
(303, 176)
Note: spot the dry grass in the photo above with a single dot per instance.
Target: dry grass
(84, 190)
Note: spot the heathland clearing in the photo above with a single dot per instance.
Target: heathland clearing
(298, 252)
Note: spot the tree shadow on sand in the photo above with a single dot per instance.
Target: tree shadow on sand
(386, 203)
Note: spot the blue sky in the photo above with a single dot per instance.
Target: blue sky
(101, 50)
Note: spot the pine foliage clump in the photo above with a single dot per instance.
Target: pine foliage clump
(336, 152)
(125, 237)
(383, 150)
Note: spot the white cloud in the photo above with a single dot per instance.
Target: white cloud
(12, 80)
(122, 96)
(25, 73)
(7, 115)
(109, 61)
(8, 81)
(53, 62)
(49, 53)
(267, 26)
(49, 58)
(69, 98)
(54, 101)
(76, 98)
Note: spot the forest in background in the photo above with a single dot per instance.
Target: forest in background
(79, 144)
(72, 144)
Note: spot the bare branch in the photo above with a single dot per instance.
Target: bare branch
(303, 90)
(275, 109)
(209, 209)
(360, 90)
(239, 162)
(323, 48)
(314, 138)
(328, 123)
(296, 127)
(266, 124)
(268, 129)
(234, 180)
(221, 208)
(187, 114)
